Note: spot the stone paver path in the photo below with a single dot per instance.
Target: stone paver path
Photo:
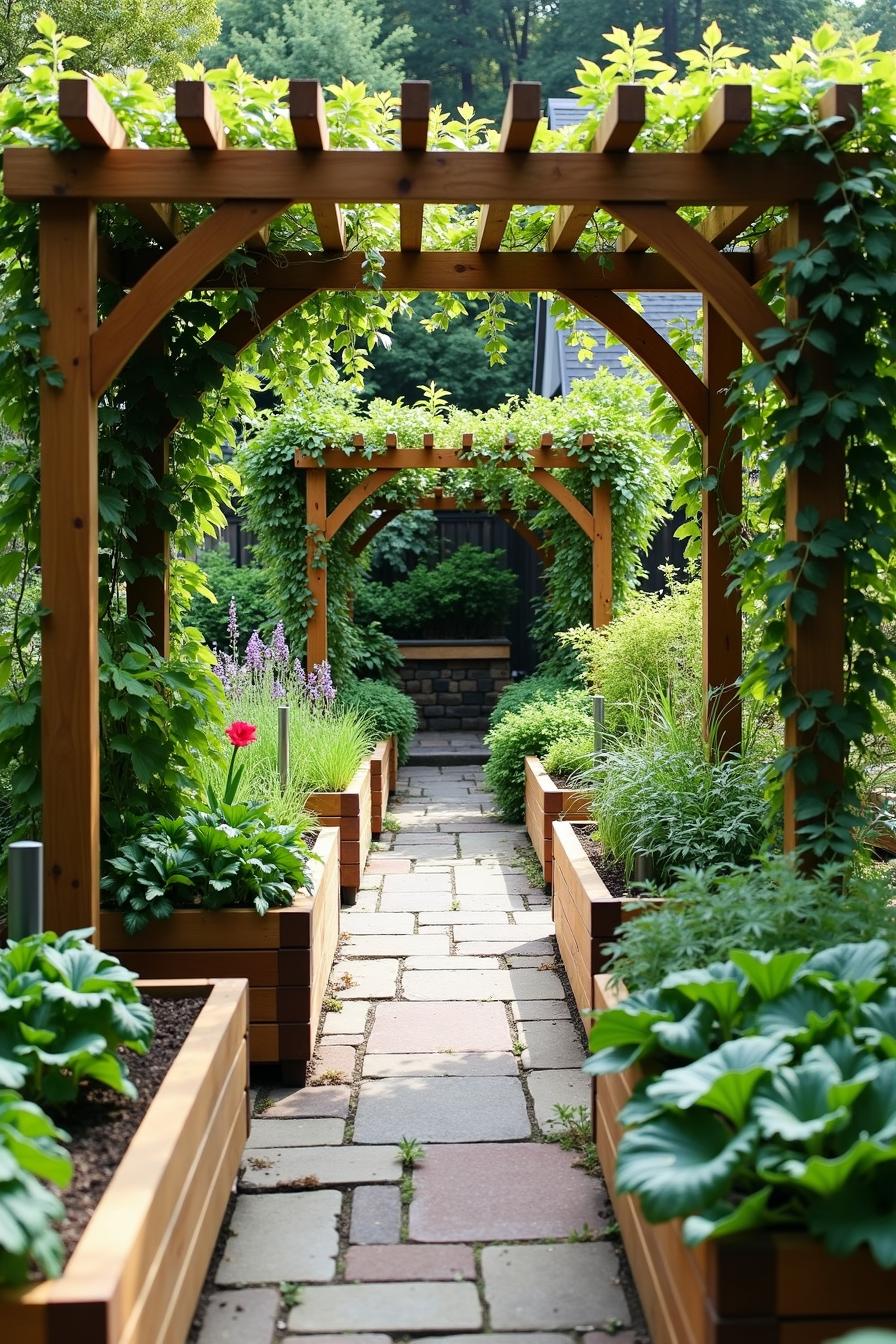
(455, 1034)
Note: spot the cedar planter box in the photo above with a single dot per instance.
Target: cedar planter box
(383, 768)
(351, 812)
(137, 1271)
(762, 1288)
(545, 804)
(286, 956)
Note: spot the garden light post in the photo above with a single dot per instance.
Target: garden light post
(26, 888)
(283, 746)
(598, 705)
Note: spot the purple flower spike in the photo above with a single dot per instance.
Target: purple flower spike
(279, 646)
(277, 690)
(233, 629)
(323, 680)
(255, 652)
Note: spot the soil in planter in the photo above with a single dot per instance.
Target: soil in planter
(562, 781)
(102, 1123)
(612, 873)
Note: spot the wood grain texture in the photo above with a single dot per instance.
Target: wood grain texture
(522, 113)
(586, 915)
(357, 496)
(414, 114)
(349, 811)
(617, 131)
(724, 121)
(392, 458)
(69, 515)
(545, 804)
(196, 113)
(308, 117)
(564, 496)
(601, 556)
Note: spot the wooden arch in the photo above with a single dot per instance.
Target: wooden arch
(244, 189)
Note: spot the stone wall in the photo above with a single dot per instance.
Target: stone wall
(454, 685)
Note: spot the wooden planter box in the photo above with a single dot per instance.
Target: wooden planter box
(351, 812)
(137, 1272)
(383, 768)
(762, 1288)
(286, 956)
(545, 804)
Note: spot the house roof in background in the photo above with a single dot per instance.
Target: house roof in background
(557, 363)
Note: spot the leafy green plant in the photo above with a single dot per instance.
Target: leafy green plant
(540, 686)
(232, 856)
(771, 1096)
(30, 1154)
(66, 1009)
(569, 757)
(405, 542)
(410, 1151)
(247, 585)
(373, 653)
(469, 594)
(384, 709)
(529, 732)
(770, 904)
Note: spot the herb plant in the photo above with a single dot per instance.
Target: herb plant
(529, 732)
(770, 1100)
(384, 708)
(231, 856)
(470, 594)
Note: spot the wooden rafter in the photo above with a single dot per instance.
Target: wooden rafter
(197, 115)
(309, 127)
(522, 114)
(415, 96)
(616, 133)
(376, 526)
(335, 459)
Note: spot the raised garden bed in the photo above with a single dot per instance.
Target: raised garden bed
(383, 774)
(546, 803)
(761, 1288)
(137, 1271)
(350, 811)
(286, 956)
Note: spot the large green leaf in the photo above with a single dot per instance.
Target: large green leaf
(680, 1164)
(879, 1022)
(795, 1104)
(721, 985)
(692, 1036)
(629, 1023)
(770, 973)
(726, 1220)
(802, 1015)
(874, 1111)
(850, 1067)
(724, 1080)
(826, 1175)
(861, 966)
(861, 1213)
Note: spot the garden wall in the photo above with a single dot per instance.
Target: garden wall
(454, 685)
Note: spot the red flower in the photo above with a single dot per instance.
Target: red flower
(241, 734)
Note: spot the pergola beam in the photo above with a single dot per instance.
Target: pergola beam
(617, 131)
(415, 97)
(197, 115)
(308, 118)
(336, 459)
(522, 114)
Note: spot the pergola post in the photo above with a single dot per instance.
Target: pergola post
(69, 520)
(601, 556)
(722, 625)
(316, 564)
(817, 644)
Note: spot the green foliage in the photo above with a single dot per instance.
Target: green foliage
(770, 1099)
(408, 540)
(468, 595)
(569, 757)
(663, 796)
(384, 708)
(372, 653)
(247, 584)
(529, 732)
(30, 1153)
(540, 686)
(769, 904)
(229, 856)
(326, 40)
(65, 1010)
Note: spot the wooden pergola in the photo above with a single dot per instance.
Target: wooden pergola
(246, 189)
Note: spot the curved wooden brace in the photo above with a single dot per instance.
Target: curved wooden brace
(564, 496)
(644, 341)
(355, 498)
(542, 548)
(708, 270)
(174, 275)
(375, 526)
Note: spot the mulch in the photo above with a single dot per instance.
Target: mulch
(102, 1123)
(613, 873)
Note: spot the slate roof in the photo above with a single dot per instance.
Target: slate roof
(557, 363)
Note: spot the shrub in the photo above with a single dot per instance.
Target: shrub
(408, 540)
(372, 653)
(569, 757)
(667, 799)
(469, 595)
(529, 732)
(770, 904)
(540, 686)
(248, 585)
(384, 708)
(770, 1096)
(232, 855)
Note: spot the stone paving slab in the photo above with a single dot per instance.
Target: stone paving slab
(308, 1101)
(353, 923)
(490, 880)
(551, 1045)
(397, 1307)
(507, 948)
(357, 1039)
(380, 863)
(409, 884)
(332, 1059)
(408, 901)
(465, 1064)
(557, 1087)
(496, 932)
(559, 1286)
(376, 1215)
(446, 849)
(427, 1028)
(544, 960)
(351, 1018)
(453, 963)
(372, 979)
(540, 917)
(466, 918)
(434, 985)
(294, 1133)
(349, 1164)
(396, 945)
(497, 1337)
(291, 1237)
(243, 1316)
(501, 1192)
(396, 1264)
(343, 1339)
(441, 1110)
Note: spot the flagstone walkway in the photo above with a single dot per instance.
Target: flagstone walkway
(454, 1034)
